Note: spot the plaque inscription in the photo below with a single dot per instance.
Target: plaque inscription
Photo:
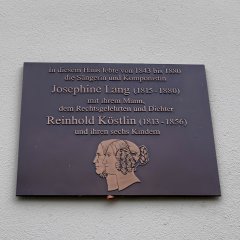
(125, 129)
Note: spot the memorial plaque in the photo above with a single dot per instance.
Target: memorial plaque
(91, 129)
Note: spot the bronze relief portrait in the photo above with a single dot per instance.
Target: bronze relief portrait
(117, 161)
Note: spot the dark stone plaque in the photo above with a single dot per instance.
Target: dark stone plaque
(119, 129)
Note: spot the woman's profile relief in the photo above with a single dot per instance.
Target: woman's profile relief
(117, 161)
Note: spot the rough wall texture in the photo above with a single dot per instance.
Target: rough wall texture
(204, 32)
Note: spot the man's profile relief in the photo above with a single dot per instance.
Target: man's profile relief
(117, 161)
